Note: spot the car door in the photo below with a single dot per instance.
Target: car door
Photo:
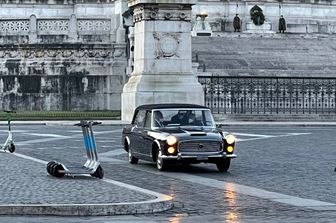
(147, 140)
(137, 131)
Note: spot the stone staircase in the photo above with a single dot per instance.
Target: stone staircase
(273, 55)
(267, 55)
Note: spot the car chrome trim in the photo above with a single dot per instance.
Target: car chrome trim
(193, 156)
(128, 140)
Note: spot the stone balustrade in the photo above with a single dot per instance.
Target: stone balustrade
(72, 28)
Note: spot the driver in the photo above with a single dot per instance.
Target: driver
(158, 117)
(180, 118)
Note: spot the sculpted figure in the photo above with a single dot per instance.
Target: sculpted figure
(282, 24)
(236, 23)
(257, 15)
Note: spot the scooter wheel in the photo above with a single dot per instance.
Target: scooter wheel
(52, 168)
(49, 166)
(99, 173)
(58, 167)
(12, 148)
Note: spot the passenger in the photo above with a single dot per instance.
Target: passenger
(158, 117)
(180, 118)
(193, 121)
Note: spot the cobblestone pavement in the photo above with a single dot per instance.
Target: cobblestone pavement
(295, 163)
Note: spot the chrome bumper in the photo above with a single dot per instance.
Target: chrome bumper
(198, 156)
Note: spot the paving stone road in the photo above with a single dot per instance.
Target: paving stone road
(282, 174)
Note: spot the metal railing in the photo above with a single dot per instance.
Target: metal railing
(269, 95)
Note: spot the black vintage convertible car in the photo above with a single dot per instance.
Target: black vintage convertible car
(182, 133)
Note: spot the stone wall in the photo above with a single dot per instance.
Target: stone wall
(61, 56)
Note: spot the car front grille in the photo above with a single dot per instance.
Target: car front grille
(200, 146)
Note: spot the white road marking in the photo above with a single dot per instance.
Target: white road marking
(30, 158)
(242, 189)
(114, 152)
(46, 135)
(232, 187)
(112, 160)
(159, 197)
(27, 142)
(270, 136)
(60, 138)
(247, 134)
(14, 131)
(105, 141)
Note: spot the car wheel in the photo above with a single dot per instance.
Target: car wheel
(161, 164)
(131, 158)
(223, 165)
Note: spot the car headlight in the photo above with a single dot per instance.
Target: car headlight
(171, 140)
(171, 150)
(230, 139)
(229, 149)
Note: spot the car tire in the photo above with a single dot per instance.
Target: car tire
(131, 158)
(161, 164)
(223, 165)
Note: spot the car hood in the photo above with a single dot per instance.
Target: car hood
(193, 133)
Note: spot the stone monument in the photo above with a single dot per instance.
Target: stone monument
(162, 56)
(201, 27)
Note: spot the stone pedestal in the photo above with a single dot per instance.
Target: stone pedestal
(162, 56)
(201, 27)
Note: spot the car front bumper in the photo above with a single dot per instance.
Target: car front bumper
(198, 157)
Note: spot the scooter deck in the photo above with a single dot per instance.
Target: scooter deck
(79, 170)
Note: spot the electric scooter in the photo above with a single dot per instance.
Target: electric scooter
(91, 166)
(9, 143)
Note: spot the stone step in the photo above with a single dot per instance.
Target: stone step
(290, 54)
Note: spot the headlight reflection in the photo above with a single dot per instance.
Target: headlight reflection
(231, 196)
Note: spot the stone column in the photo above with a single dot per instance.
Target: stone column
(162, 56)
(32, 29)
(73, 33)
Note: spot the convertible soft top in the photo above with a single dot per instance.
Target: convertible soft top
(163, 106)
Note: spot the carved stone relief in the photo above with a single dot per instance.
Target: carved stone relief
(14, 26)
(53, 25)
(152, 13)
(66, 53)
(167, 44)
(94, 25)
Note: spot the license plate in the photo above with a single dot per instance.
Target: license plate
(202, 158)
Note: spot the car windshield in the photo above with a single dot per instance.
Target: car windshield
(163, 118)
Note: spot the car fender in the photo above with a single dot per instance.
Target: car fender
(156, 143)
(128, 141)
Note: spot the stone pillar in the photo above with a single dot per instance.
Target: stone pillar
(32, 29)
(120, 8)
(162, 56)
(73, 35)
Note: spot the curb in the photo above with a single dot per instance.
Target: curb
(157, 203)
(105, 209)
